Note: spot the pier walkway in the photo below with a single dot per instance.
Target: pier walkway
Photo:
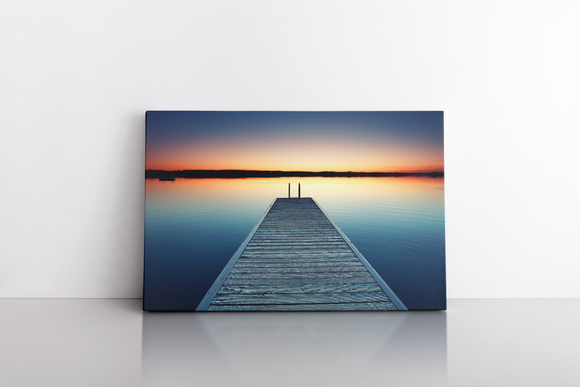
(296, 258)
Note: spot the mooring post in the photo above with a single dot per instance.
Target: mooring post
(298, 190)
(288, 190)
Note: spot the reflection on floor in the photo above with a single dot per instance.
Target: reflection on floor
(298, 349)
(111, 342)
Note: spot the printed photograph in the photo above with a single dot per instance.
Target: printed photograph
(294, 211)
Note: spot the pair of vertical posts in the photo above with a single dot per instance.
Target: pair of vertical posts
(289, 190)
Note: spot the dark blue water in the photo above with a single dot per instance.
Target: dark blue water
(194, 226)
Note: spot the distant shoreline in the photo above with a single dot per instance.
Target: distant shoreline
(240, 174)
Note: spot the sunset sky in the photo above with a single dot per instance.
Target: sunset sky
(295, 141)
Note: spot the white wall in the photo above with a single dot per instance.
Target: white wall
(77, 76)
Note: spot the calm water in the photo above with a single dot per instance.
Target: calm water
(194, 226)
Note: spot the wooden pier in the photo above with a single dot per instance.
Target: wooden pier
(296, 258)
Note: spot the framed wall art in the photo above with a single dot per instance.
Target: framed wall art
(294, 211)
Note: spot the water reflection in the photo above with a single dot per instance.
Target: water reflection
(294, 349)
(194, 226)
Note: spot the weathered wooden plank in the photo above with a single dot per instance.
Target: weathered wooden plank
(325, 298)
(296, 281)
(290, 235)
(313, 255)
(296, 258)
(298, 264)
(302, 289)
(236, 270)
(358, 306)
(295, 262)
(336, 276)
(297, 253)
(307, 222)
(295, 231)
(298, 227)
(293, 239)
(321, 248)
(276, 225)
(321, 245)
(296, 250)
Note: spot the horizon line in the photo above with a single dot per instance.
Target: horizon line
(290, 171)
(238, 173)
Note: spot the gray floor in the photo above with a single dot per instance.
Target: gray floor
(112, 343)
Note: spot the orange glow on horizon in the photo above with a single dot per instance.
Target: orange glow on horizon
(338, 156)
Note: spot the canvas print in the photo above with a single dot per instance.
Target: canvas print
(294, 211)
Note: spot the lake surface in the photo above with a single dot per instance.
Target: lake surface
(194, 226)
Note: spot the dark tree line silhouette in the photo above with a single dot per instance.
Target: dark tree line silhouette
(240, 174)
